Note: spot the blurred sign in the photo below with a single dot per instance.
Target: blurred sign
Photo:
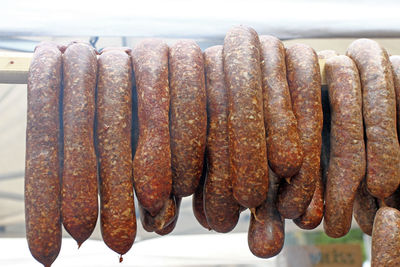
(329, 255)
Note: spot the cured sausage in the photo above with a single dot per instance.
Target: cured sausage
(198, 201)
(347, 163)
(285, 154)
(164, 217)
(304, 81)
(220, 207)
(247, 147)
(42, 162)
(325, 54)
(171, 226)
(188, 116)
(386, 238)
(266, 233)
(113, 129)
(314, 213)
(379, 113)
(79, 180)
(365, 208)
(395, 60)
(152, 162)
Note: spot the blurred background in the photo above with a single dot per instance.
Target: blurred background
(23, 24)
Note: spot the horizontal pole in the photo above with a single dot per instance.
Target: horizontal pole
(14, 68)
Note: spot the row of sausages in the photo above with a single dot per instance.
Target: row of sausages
(238, 126)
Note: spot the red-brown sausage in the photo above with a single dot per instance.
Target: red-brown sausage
(152, 162)
(314, 213)
(365, 208)
(304, 80)
(171, 226)
(198, 201)
(386, 238)
(162, 219)
(220, 207)
(379, 113)
(347, 163)
(266, 233)
(395, 61)
(42, 162)
(114, 114)
(247, 146)
(188, 116)
(285, 154)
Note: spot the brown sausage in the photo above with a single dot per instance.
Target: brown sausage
(188, 116)
(114, 114)
(164, 217)
(198, 201)
(386, 238)
(79, 183)
(347, 163)
(325, 54)
(42, 162)
(247, 147)
(221, 209)
(365, 208)
(379, 113)
(305, 89)
(395, 61)
(266, 233)
(314, 213)
(171, 226)
(152, 162)
(285, 154)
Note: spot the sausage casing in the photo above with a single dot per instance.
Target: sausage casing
(152, 162)
(364, 208)
(395, 61)
(379, 113)
(220, 207)
(347, 163)
(285, 154)
(304, 81)
(247, 146)
(42, 162)
(113, 129)
(188, 116)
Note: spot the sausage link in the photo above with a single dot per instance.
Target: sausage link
(314, 213)
(325, 54)
(198, 201)
(171, 226)
(365, 208)
(164, 217)
(305, 89)
(42, 162)
(266, 233)
(379, 113)
(220, 207)
(386, 238)
(113, 128)
(152, 162)
(347, 163)
(188, 116)
(79, 183)
(247, 146)
(395, 61)
(285, 154)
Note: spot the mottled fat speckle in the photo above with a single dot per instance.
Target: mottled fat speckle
(188, 116)
(79, 182)
(364, 209)
(347, 163)
(114, 114)
(379, 113)
(247, 145)
(386, 238)
(304, 81)
(285, 153)
(152, 163)
(42, 168)
(220, 207)
(266, 233)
